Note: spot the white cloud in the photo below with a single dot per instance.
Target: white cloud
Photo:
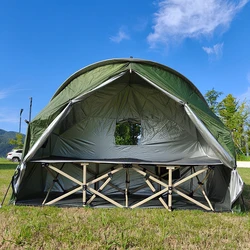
(4, 93)
(180, 19)
(121, 35)
(215, 51)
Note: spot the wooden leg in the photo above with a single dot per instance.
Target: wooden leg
(189, 177)
(150, 198)
(47, 195)
(144, 173)
(127, 187)
(104, 176)
(154, 191)
(170, 183)
(99, 190)
(104, 197)
(64, 196)
(84, 183)
(191, 199)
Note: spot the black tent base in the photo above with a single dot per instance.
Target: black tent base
(178, 203)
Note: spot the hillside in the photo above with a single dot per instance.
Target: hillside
(5, 136)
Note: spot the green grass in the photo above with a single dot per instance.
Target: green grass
(87, 228)
(241, 157)
(245, 174)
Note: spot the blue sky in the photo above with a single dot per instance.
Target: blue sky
(42, 43)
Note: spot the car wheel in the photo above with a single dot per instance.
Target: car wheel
(15, 159)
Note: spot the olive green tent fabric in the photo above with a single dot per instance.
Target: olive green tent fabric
(165, 78)
(76, 86)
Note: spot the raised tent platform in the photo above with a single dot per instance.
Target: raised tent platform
(128, 133)
(141, 184)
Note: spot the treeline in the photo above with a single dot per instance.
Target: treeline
(235, 115)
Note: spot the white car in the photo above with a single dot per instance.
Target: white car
(15, 155)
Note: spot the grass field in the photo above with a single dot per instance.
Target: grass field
(86, 228)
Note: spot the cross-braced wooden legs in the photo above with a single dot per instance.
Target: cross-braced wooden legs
(150, 179)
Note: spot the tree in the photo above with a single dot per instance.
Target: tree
(127, 133)
(234, 116)
(18, 141)
(211, 97)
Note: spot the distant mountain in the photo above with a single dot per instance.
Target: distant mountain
(5, 136)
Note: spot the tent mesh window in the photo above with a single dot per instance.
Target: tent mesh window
(128, 132)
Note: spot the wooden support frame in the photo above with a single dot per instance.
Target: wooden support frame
(195, 174)
(155, 194)
(85, 185)
(173, 187)
(82, 185)
(150, 179)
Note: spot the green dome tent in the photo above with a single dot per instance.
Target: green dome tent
(128, 133)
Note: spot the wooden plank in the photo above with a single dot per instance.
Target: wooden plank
(47, 195)
(208, 201)
(203, 181)
(104, 176)
(149, 176)
(191, 199)
(145, 170)
(105, 197)
(99, 190)
(65, 175)
(154, 190)
(189, 177)
(64, 196)
(150, 198)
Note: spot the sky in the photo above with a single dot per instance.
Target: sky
(43, 42)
